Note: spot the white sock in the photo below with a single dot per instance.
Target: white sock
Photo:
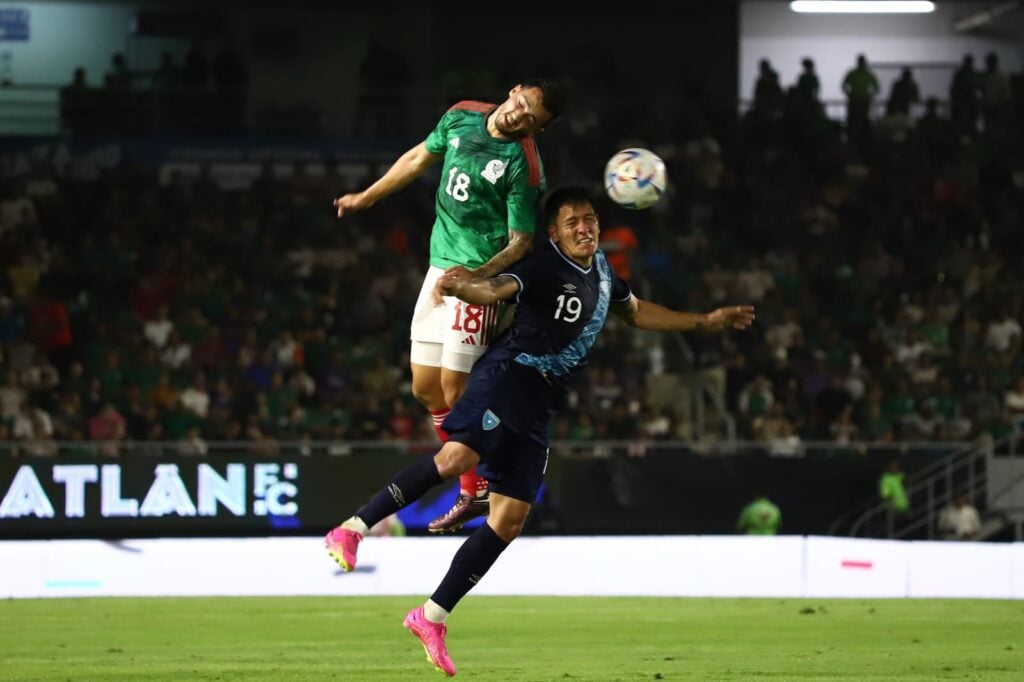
(355, 523)
(434, 613)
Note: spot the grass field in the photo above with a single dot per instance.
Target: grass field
(513, 638)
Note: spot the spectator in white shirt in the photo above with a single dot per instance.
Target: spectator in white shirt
(158, 330)
(177, 352)
(196, 398)
(787, 332)
(12, 396)
(960, 520)
(1013, 401)
(34, 427)
(754, 282)
(1003, 331)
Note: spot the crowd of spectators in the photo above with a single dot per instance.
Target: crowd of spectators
(135, 309)
(879, 253)
(138, 304)
(203, 90)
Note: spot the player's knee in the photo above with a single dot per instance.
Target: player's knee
(507, 527)
(428, 394)
(421, 395)
(507, 517)
(455, 459)
(452, 393)
(453, 385)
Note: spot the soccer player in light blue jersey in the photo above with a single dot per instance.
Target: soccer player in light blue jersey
(563, 292)
(486, 205)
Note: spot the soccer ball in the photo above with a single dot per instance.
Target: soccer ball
(635, 178)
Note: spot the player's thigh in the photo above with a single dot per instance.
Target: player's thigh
(514, 462)
(468, 330)
(504, 415)
(428, 319)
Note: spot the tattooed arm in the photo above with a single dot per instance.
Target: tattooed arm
(519, 244)
(477, 290)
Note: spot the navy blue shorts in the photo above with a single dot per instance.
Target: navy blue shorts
(504, 416)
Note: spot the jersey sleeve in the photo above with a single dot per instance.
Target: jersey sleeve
(620, 289)
(527, 272)
(526, 185)
(437, 140)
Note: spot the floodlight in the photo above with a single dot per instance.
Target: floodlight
(862, 6)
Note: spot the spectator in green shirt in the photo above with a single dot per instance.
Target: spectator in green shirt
(760, 517)
(860, 86)
(891, 488)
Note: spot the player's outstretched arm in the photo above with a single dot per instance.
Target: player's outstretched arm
(646, 315)
(477, 290)
(407, 168)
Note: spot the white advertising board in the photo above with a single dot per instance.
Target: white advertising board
(671, 566)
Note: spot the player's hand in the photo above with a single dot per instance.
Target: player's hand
(350, 203)
(458, 272)
(734, 316)
(439, 292)
(448, 283)
(444, 286)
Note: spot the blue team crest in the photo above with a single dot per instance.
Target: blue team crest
(490, 421)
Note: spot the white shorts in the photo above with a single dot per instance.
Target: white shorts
(452, 335)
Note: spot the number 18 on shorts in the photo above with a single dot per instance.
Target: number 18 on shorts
(452, 335)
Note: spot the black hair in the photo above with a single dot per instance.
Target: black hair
(571, 195)
(551, 94)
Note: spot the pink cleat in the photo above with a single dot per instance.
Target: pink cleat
(342, 544)
(432, 637)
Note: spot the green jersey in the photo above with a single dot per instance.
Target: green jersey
(488, 187)
(760, 517)
(891, 489)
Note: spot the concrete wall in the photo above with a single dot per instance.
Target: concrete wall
(769, 29)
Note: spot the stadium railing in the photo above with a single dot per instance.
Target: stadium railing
(990, 473)
(567, 448)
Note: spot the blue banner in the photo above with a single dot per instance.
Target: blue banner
(14, 24)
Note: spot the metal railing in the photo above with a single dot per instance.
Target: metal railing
(836, 109)
(29, 110)
(929, 490)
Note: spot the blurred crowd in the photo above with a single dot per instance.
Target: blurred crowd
(878, 249)
(138, 309)
(139, 303)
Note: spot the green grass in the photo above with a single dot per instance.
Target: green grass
(513, 638)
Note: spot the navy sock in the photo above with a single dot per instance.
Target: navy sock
(406, 487)
(476, 555)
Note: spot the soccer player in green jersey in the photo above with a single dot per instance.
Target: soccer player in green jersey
(492, 179)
